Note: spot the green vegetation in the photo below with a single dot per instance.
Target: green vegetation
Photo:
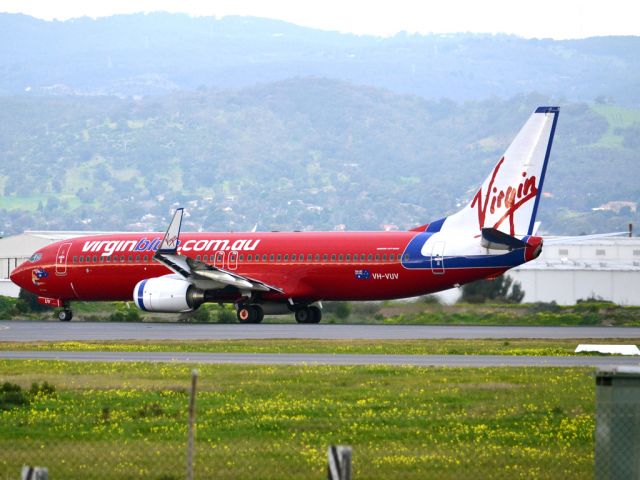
(426, 311)
(501, 290)
(354, 156)
(120, 420)
(562, 347)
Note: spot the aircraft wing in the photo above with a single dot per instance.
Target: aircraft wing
(202, 275)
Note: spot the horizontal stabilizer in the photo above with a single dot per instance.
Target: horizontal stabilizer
(498, 240)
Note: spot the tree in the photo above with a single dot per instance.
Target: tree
(502, 290)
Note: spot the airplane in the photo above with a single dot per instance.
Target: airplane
(294, 272)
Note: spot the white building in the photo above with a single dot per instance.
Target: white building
(603, 268)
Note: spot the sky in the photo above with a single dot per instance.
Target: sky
(559, 19)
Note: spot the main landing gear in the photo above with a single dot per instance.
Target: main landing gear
(250, 313)
(65, 315)
(310, 314)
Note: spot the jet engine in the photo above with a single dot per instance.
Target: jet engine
(168, 294)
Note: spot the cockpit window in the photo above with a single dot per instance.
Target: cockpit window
(35, 257)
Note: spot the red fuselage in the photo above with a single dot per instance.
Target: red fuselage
(305, 266)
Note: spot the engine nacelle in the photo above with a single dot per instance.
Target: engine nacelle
(168, 294)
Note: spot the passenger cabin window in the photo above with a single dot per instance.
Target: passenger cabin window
(293, 257)
(121, 258)
(309, 257)
(391, 257)
(241, 258)
(75, 259)
(370, 257)
(348, 257)
(198, 258)
(271, 257)
(325, 257)
(249, 257)
(264, 257)
(377, 257)
(145, 258)
(279, 257)
(355, 257)
(317, 257)
(137, 258)
(205, 258)
(384, 257)
(333, 257)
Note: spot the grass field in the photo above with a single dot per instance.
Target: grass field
(562, 347)
(129, 421)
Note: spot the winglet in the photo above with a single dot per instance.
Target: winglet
(171, 239)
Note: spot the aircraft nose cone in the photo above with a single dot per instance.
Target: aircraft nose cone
(18, 276)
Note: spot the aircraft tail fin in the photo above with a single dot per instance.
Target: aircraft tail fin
(508, 199)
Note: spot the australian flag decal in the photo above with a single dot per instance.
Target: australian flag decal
(362, 274)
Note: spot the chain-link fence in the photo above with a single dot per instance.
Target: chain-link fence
(88, 428)
(618, 423)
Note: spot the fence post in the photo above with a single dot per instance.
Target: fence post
(339, 462)
(617, 453)
(34, 473)
(192, 419)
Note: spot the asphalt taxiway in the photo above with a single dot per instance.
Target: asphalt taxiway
(27, 331)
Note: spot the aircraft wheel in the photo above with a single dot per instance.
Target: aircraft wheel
(316, 314)
(304, 315)
(246, 314)
(259, 313)
(65, 315)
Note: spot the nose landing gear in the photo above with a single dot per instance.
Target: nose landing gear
(65, 315)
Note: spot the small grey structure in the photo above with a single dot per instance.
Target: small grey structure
(618, 423)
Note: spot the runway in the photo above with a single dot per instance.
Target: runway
(329, 359)
(25, 331)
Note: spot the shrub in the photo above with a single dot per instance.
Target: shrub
(45, 389)
(538, 307)
(12, 395)
(201, 315)
(225, 315)
(340, 310)
(29, 303)
(125, 313)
